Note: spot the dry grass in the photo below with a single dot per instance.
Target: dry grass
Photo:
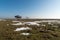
(37, 33)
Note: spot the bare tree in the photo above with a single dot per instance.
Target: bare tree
(18, 17)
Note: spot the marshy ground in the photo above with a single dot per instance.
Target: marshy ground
(45, 31)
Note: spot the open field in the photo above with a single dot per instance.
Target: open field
(46, 30)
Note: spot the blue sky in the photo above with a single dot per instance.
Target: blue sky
(30, 8)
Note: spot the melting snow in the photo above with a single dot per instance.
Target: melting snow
(37, 21)
(22, 28)
(25, 34)
(49, 21)
(15, 21)
(18, 23)
(32, 23)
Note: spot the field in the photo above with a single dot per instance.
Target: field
(45, 31)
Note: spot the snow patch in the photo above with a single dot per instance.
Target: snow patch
(22, 28)
(25, 34)
(15, 21)
(37, 21)
(32, 23)
(17, 24)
